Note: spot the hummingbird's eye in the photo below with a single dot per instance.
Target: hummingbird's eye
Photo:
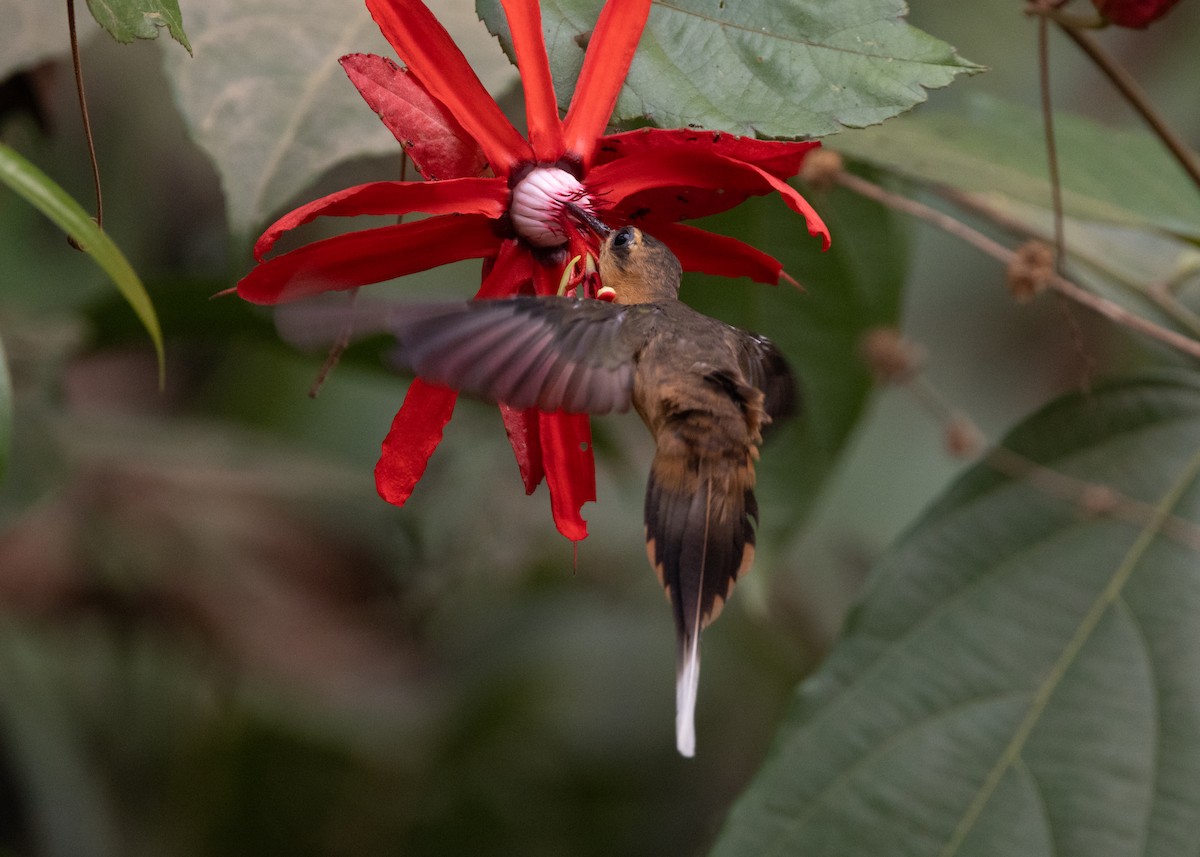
(623, 238)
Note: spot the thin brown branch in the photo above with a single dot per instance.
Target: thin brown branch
(1056, 203)
(1162, 294)
(83, 111)
(1092, 498)
(1056, 199)
(1110, 310)
(1137, 99)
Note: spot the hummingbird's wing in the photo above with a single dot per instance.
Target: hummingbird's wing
(550, 353)
(767, 369)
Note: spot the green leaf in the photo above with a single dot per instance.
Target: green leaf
(1121, 177)
(126, 20)
(1023, 676)
(6, 412)
(266, 98)
(778, 68)
(47, 197)
(847, 292)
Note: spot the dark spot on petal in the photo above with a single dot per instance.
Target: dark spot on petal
(716, 137)
(638, 213)
(682, 198)
(519, 172)
(571, 163)
(503, 227)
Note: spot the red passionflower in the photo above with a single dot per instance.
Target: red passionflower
(494, 195)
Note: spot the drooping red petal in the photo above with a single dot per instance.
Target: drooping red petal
(570, 469)
(541, 106)
(429, 52)
(546, 278)
(781, 158)
(609, 53)
(486, 196)
(429, 133)
(415, 433)
(509, 273)
(710, 253)
(369, 256)
(669, 184)
(526, 440)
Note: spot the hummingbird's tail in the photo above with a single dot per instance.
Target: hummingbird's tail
(700, 518)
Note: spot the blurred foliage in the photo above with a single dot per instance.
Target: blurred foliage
(216, 639)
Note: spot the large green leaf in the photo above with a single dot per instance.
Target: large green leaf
(777, 68)
(126, 20)
(1116, 176)
(1023, 677)
(266, 98)
(47, 197)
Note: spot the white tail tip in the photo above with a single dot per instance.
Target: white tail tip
(687, 683)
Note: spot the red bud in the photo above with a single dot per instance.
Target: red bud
(1133, 13)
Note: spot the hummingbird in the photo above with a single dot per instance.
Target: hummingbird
(706, 391)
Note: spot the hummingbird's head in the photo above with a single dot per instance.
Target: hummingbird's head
(637, 267)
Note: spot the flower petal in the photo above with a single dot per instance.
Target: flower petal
(369, 256)
(509, 273)
(415, 433)
(675, 183)
(429, 133)
(541, 105)
(709, 253)
(546, 277)
(526, 440)
(781, 158)
(486, 196)
(609, 53)
(570, 469)
(429, 52)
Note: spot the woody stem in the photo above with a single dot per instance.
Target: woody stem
(1069, 289)
(1137, 99)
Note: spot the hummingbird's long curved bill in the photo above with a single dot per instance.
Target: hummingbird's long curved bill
(586, 218)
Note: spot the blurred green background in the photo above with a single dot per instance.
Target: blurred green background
(216, 639)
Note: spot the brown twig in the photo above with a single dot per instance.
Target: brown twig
(1056, 200)
(1056, 203)
(83, 111)
(1110, 310)
(1161, 294)
(1094, 498)
(1137, 99)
